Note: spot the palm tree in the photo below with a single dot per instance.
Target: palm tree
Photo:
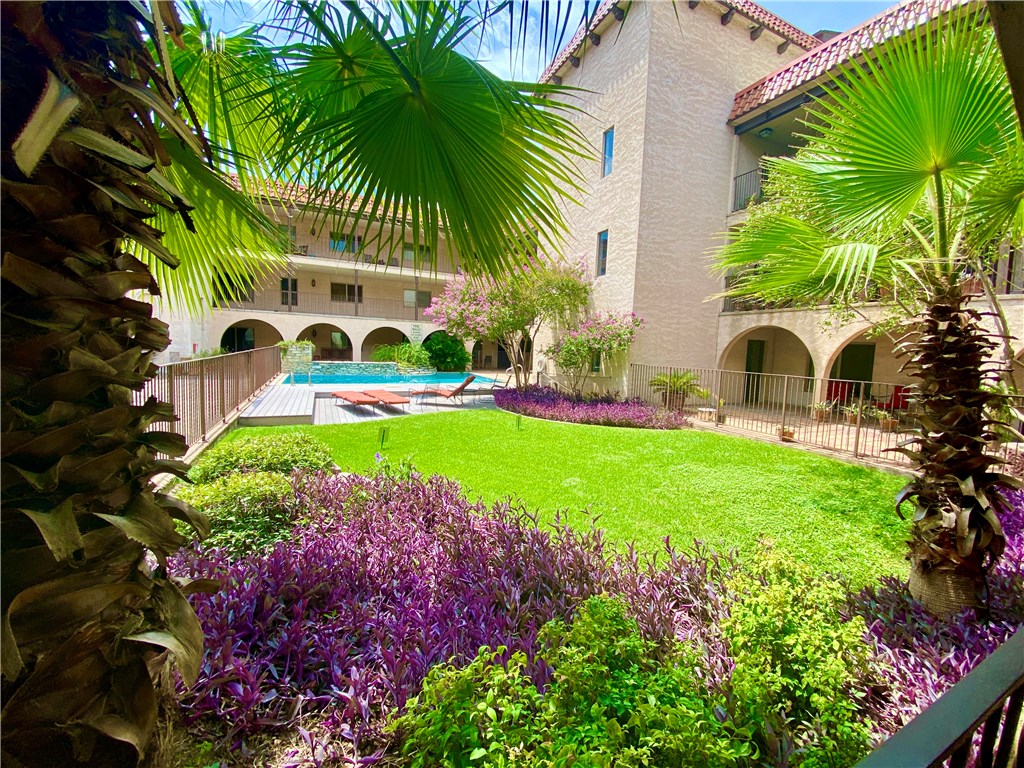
(98, 164)
(914, 177)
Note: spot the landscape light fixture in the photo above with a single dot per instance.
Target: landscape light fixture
(765, 132)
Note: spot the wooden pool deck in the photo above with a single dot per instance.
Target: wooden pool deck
(312, 404)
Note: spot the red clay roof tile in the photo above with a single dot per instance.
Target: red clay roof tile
(846, 46)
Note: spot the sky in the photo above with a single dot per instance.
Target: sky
(808, 15)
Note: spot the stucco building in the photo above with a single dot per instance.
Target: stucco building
(682, 102)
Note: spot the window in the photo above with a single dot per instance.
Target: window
(289, 291)
(288, 230)
(349, 292)
(227, 290)
(419, 299)
(344, 241)
(595, 363)
(409, 254)
(339, 340)
(602, 253)
(609, 149)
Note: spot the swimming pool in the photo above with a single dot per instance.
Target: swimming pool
(390, 377)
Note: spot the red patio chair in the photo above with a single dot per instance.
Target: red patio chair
(446, 392)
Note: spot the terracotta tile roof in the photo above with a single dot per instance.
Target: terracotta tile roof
(573, 45)
(815, 63)
(773, 23)
(747, 8)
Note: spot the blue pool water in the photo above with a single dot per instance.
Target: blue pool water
(390, 377)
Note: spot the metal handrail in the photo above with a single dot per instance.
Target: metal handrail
(987, 700)
(205, 392)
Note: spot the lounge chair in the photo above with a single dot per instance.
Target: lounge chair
(448, 393)
(356, 398)
(387, 398)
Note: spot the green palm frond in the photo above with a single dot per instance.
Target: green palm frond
(234, 92)
(412, 133)
(233, 243)
(930, 104)
(997, 202)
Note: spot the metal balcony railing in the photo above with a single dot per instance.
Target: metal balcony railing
(746, 188)
(323, 304)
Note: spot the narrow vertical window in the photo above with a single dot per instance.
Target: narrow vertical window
(602, 252)
(609, 150)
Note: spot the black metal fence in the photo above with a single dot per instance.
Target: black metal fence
(746, 188)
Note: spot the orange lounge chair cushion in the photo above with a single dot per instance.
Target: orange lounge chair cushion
(356, 398)
(388, 398)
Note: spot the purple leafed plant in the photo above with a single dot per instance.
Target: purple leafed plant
(389, 577)
(546, 403)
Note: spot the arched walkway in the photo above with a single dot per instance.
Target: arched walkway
(379, 336)
(249, 334)
(329, 342)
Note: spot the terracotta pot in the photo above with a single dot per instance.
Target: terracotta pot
(943, 592)
(821, 415)
(786, 435)
(851, 418)
(888, 425)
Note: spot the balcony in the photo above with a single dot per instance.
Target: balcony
(323, 304)
(746, 189)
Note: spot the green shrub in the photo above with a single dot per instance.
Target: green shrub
(800, 668)
(610, 703)
(262, 453)
(447, 353)
(248, 510)
(407, 355)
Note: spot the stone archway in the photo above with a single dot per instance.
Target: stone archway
(756, 363)
(329, 342)
(378, 336)
(249, 334)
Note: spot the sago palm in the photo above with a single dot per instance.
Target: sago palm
(912, 179)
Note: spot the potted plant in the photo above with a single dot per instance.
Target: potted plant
(720, 413)
(886, 421)
(786, 434)
(821, 410)
(676, 386)
(853, 413)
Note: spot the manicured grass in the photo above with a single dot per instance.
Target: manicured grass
(648, 484)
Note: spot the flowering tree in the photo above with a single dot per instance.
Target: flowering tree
(510, 310)
(601, 335)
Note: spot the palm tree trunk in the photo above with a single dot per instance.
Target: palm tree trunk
(90, 616)
(956, 533)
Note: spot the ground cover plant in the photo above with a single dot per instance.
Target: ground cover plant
(409, 620)
(547, 403)
(260, 453)
(247, 510)
(648, 484)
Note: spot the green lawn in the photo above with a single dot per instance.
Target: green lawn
(648, 484)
